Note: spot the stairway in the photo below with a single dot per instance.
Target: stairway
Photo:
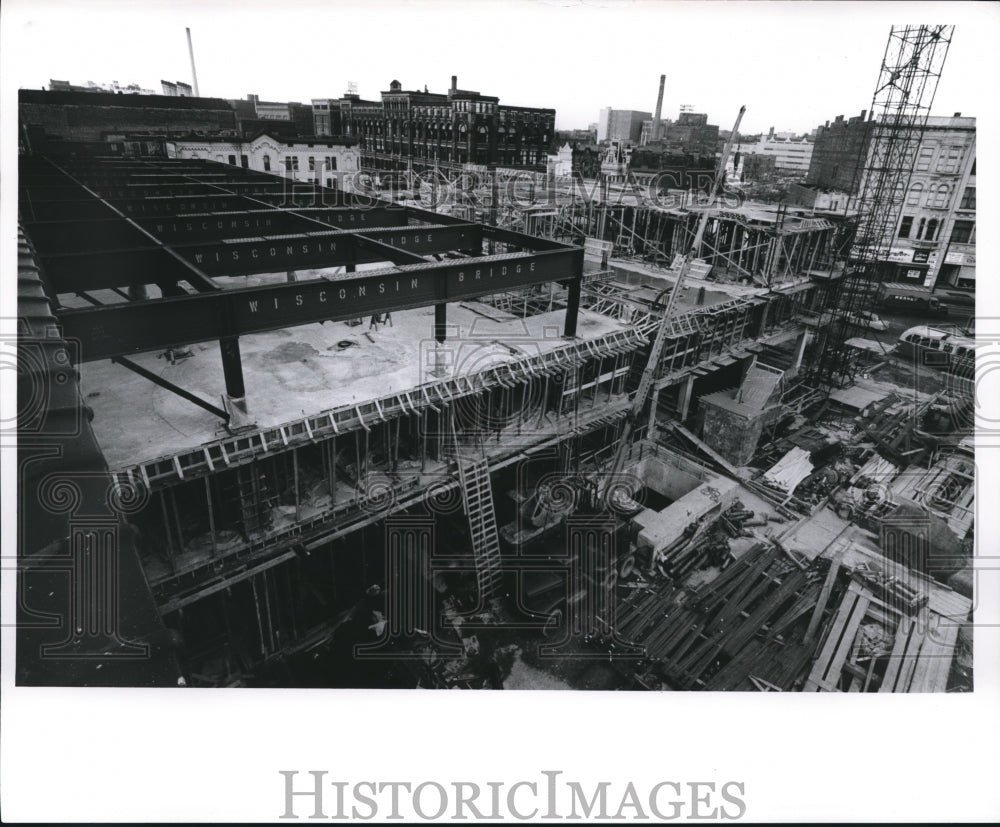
(477, 494)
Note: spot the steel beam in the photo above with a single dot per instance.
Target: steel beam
(369, 246)
(331, 249)
(139, 326)
(190, 188)
(64, 210)
(73, 272)
(180, 205)
(98, 269)
(528, 242)
(258, 222)
(91, 234)
(170, 386)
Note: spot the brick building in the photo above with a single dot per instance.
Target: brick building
(459, 127)
(837, 153)
(690, 134)
(326, 116)
(936, 237)
(92, 116)
(290, 119)
(934, 241)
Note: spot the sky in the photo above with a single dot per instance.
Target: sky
(794, 65)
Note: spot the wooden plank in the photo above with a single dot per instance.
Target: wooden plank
(899, 647)
(799, 608)
(913, 647)
(934, 661)
(839, 641)
(711, 452)
(824, 595)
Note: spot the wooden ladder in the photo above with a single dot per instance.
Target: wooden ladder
(477, 494)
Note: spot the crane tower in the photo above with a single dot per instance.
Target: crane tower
(907, 83)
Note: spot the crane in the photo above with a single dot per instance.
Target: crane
(663, 331)
(907, 83)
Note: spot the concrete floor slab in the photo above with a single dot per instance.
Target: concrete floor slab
(301, 371)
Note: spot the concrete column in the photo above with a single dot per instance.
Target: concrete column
(684, 397)
(572, 307)
(654, 403)
(800, 350)
(234, 401)
(440, 321)
(763, 318)
(816, 244)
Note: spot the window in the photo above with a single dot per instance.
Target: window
(932, 228)
(938, 199)
(312, 164)
(961, 233)
(951, 160)
(968, 199)
(920, 228)
(905, 226)
(267, 163)
(292, 163)
(331, 162)
(924, 158)
(913, 199)
(232, 160)
(244, 162)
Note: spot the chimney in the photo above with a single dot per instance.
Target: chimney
(957, 115)
(194, 73)
(659, 109)
(454, 84)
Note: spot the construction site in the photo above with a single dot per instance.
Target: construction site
(273, 434)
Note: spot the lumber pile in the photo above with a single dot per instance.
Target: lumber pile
(743, 624)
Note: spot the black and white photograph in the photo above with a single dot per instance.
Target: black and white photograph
(352, 349)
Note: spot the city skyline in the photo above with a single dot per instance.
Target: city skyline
(815, 85)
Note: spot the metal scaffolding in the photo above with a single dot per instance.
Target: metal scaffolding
(907, 83)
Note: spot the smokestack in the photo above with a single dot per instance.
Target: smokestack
(659, 109)
(194, 74)
(454, 83)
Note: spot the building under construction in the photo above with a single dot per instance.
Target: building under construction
(283, 436)
(274, 434)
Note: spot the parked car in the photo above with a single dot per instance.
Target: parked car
(868, 320)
